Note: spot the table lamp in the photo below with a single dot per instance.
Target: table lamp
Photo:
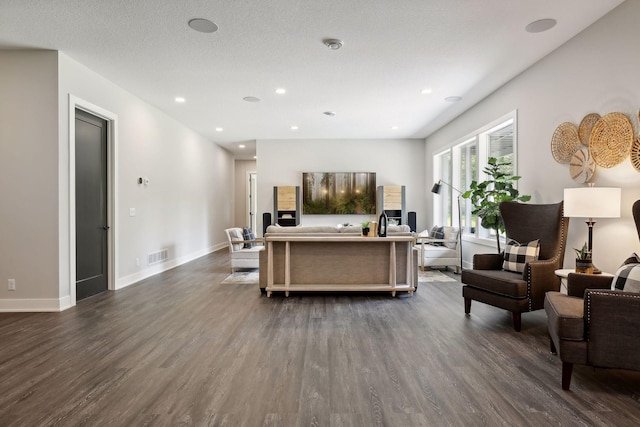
(592, 202)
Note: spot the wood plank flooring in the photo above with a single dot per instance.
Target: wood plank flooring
(181, 348)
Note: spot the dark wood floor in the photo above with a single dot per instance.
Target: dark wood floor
(183, 349)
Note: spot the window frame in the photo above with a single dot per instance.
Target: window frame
(480, 139)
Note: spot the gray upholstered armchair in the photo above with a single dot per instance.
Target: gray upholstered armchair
(490, 283)
(601, 330)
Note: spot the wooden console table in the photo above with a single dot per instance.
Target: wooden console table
(336, 263)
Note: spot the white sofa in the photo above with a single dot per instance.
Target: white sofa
(241, 256)
(443, 252)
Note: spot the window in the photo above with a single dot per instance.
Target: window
(463, 162)
(468, 172)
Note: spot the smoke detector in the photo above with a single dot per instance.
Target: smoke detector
(333, 44)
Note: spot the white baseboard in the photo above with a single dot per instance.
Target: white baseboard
(34, 305)
(129, 280)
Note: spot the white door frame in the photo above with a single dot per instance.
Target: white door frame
(251, 204)
(112, 186)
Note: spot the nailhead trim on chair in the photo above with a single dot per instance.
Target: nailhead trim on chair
(559, 253)
(529, 287)
(618, 294)
(548, 261)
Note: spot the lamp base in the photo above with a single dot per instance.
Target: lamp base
(590, 223)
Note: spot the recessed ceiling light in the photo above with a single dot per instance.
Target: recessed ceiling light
(333, 44)
(219, 129)
(203, 25)
(394, 127)
(540, 25)
(453, 98)
(294, 127)
(251, 99)
(426, 91)
(180, 99)
(281, 91)
(255, 157)
(241, 146)
(329, 113)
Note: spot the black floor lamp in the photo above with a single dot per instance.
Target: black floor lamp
(436, 190)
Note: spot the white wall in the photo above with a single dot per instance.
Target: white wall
(597, 71)
(185, 208)
(395, 162)
(28, 178)
(188, 202)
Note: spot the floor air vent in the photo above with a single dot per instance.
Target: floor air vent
(156, 257)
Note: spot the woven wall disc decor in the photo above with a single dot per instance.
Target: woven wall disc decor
(586, 125)
(635, 151)
(564, 142)
(611, 139)
(582, 167)
(635, 154)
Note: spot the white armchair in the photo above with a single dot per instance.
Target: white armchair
(439, 252)
(243, 254)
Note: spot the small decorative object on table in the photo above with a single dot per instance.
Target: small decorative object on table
(584, 263)
(365, 228)
(382, 225)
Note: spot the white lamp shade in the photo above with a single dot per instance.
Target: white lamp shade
(592, 202)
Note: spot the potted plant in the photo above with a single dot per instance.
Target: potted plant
(365, 228)
(584, 262)
(486, 196)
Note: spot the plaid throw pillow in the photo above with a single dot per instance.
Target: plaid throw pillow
(437, 233)
(248, 235)
(627, 278)
(516, 255)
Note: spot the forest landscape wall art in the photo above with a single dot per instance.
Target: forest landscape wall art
(338, 193)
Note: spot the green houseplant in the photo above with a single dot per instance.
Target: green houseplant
(365, 228)
(486, 196)
(584, 263)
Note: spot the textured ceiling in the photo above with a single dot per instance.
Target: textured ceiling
(392, 50)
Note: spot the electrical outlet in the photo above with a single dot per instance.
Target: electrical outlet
(12, 284)
(137, 262)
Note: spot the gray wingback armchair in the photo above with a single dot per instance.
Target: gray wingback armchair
(602, 329)
(518, 293)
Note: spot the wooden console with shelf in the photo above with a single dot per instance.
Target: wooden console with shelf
(340, 263)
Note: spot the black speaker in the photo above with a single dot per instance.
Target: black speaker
(412, 221)
(266, 221)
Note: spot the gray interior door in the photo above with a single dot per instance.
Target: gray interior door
(91, 205)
